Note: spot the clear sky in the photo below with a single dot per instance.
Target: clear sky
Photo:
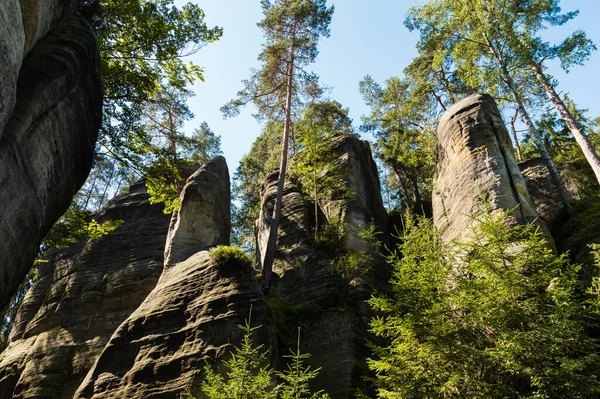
(367, 37)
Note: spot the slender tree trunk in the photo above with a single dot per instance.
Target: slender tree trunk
(269, 253)
(514, 132)
(112, 173)
(576, 129)
(87, 200)
(173, 142)
(407, 199)
(535, 135)
(537, 139)
(316, 204)
(447, 84)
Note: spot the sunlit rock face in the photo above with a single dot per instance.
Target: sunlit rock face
(204, 219)
(331, 311)
(192, 314)
(50, 114)
(475, 162)
(82, 294)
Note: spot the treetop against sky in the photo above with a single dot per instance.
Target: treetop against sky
(367, 37)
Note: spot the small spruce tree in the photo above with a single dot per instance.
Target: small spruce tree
(497, 317)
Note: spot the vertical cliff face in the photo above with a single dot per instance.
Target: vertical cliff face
(335, 317)
(50, 114)
(193, 312)
(474, 161)
(82, 295)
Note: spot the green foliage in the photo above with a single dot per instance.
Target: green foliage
(295, 380)
(317, 165)
(330, 236)
(247, 376)
(402, 122)
(162, 190)
(142, 47)
(497, 317)
(352, 264)
(581, 229)
(165, 148)
(73, 226)
(292, 29)
(248, 180)
(227, 254)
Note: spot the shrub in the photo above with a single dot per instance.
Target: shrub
(498, 317)
(226, 254)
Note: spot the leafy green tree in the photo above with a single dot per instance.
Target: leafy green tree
(292, 29)
(247, 377)
(497, 317)
(202, 146)
(143, 44)
(316, 164)
(296, 379)
(401, 121)
(533, 52)
(483, 34)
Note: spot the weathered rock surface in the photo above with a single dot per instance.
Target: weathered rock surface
(475, 160)
(332, 314)
(22, 25)
(80, 298)
(193, 312)
(204, 219)
(365, 204)
(47, 144)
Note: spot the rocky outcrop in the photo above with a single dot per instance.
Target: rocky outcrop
(22, 25)
(329, 309)
(193, 312)
(49, 121)
(364, 205)
(475, 161)
(81, 296)
(204, 220)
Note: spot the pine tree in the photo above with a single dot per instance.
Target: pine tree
(316, 164)
(481, 34)
(292, 29)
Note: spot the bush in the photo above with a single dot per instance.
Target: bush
(225, 254)
(498, 317)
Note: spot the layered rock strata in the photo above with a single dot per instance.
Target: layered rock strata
(364, 205)
(475, 163)
(329, 309)
(81, 296)
(49, 121)
(193, 313)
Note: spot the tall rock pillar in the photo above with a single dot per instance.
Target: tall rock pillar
(475, 161)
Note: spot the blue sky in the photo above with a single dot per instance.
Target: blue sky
(367, 37)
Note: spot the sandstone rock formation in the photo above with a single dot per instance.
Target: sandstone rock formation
(365, 204)
(475, 160)
(81, 296)
(331, 311)
(204, 219)
(193, 312)
(49, 121)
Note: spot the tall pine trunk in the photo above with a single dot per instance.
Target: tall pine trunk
(535, 135)
(586, 146)
(269, 253)
(515, 138)
(537, 139)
